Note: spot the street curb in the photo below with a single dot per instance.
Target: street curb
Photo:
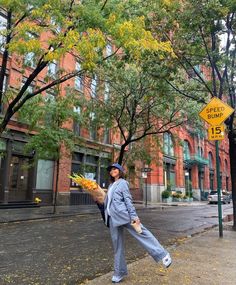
(92, 212)
(57, 216)
(47, 217)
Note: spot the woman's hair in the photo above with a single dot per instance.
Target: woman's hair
(121, 175)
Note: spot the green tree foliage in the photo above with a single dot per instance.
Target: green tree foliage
(46, 118)
(137, 106)
(37, 33)
(203, 40)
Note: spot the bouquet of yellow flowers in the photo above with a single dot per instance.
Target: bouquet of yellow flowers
(97, 193)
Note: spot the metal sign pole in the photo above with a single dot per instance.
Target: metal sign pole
(144, 171)
(219, 190)
(215, 113)
(146, 193)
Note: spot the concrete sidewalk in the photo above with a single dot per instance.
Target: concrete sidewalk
(204, 259)
(46, 212)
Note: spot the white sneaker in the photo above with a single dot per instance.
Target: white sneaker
(116, 279)
(167, 260)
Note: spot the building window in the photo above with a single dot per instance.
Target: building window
(45, 170)
(30, 88)
(192, 73)
(4, 89)
(108, 50)
(211, 173)
(186, 149)
(93, 128)
(76, 125)
(200, 151)
(106, 91)
(30, 58)
(3, 27)
(78, 78)
(5, 83)
(210, 158)
(92, 167)
(168, 145)
(93, 87)
(227, 176)
(77, 165)
(52, 68)
(106, 138)
(169, 176)
(50, 96)
(55, 25)
(104, 175)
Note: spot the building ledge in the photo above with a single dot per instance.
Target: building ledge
(196, 160)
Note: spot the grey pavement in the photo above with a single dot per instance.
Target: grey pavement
(204, 259)
(74, 245)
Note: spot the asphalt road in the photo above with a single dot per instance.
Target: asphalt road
(71, 249)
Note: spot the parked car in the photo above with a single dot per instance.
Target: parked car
(213, 197)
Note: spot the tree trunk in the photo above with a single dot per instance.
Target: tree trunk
(5, 121)
(232, 151)
(56, 190)
(122, 153)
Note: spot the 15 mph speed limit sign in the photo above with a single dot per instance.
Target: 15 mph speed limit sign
(216, 133)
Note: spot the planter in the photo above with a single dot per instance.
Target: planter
(177, 199)
(167, 200)
(188, 200)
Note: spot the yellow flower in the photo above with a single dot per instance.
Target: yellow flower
(84, 182)
(37, 200)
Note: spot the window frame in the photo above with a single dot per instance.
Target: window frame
(78, 83)
(168, 144)
(3, 38)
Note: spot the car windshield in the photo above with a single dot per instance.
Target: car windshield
(213, 192)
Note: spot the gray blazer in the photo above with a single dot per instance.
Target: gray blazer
(122, 210)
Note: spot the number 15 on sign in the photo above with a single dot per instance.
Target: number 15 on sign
(216, 132)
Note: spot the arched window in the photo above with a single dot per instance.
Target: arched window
(211, 172)
(200, 151)
(220, 162)
(210, 158)
(227, 175)
(168, 145)
(186, 150)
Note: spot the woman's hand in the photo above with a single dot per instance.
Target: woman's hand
(136, 220)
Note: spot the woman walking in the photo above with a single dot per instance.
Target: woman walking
(119, 214)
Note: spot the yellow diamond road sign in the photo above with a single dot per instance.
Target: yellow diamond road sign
(216, 112)
(216, 132)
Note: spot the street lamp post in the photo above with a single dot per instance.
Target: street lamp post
(144, 171)
(144, 176)
(187, 181)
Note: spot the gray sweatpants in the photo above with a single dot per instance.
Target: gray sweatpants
(146, 239)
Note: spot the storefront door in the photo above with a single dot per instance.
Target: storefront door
(18, 179)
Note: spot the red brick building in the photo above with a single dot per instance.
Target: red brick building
(186, 165)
